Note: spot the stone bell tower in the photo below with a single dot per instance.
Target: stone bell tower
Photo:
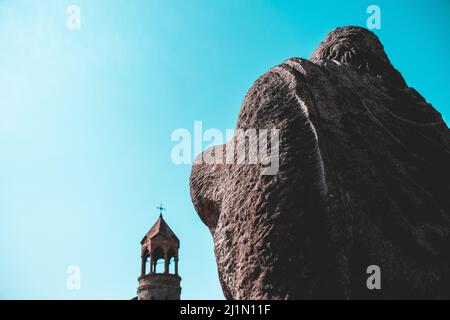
(160, 249)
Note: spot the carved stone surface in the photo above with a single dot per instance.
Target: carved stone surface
(363, 180)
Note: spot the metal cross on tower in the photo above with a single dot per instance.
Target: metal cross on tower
(161, 209)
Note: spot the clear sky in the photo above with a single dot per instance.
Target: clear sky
(86, 118)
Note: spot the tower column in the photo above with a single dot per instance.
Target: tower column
(150, 264)
(143, 264)
(176, 265)
(166, 264)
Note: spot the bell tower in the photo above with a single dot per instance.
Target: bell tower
(159, 278)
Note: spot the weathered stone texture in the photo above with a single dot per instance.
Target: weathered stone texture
(364, 179)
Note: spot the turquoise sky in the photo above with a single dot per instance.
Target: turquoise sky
(86, 118)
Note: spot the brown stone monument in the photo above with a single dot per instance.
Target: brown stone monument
(363, 180)
(160, 243)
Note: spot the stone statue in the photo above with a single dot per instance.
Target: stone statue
(363, 179)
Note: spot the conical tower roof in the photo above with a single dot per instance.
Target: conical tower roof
(160, 228)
